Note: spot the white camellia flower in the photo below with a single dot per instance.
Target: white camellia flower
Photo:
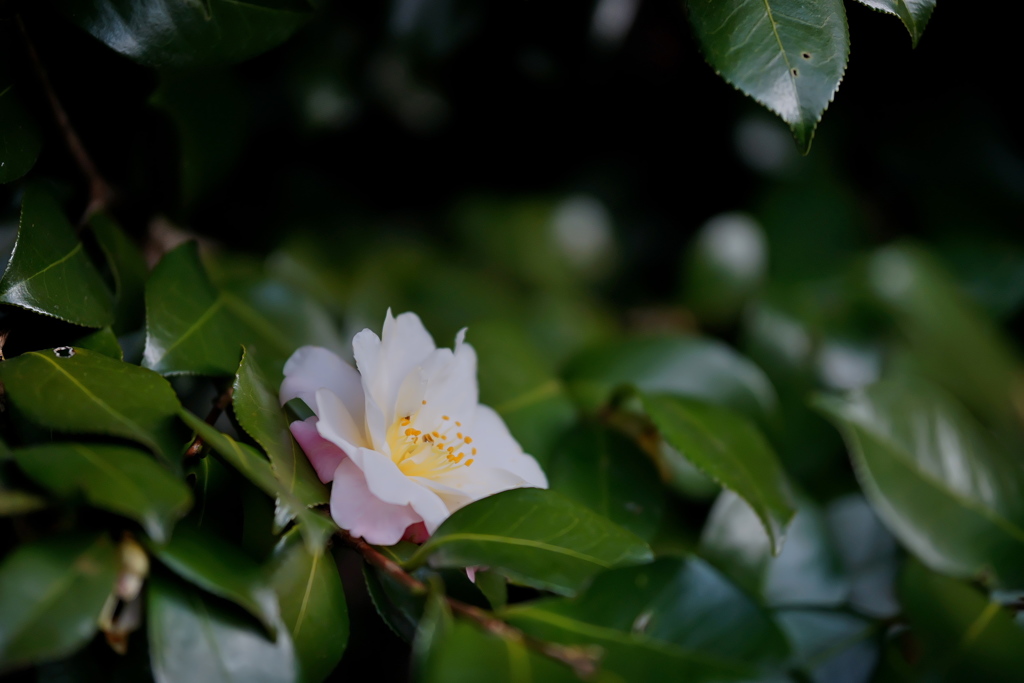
(404, 438)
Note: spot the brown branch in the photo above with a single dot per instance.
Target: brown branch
(220, 404)
(583, 661)
(100, 192)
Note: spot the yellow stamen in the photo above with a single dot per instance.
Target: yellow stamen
(469, 439)
(469, 462)
(445, 417)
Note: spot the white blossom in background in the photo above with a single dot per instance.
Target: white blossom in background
(403, 438)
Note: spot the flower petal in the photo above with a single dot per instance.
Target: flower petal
(363, 514)
(390, 484)
(322, 454)
(385, 362)
(313, 367)
(334, 416)
(497, 448)
(461, 486)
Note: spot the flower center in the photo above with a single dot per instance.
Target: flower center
(422, 452)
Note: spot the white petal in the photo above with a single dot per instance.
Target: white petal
(390, 484)
(311, 368)
(384, 363)
(362, 514)
(451, 384)
(336, 423)
(498, 449)
(463, 485)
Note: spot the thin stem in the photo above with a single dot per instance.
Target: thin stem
(100, 192)
(583, 661)
(220, 404)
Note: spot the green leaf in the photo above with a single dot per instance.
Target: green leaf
(188, 33)
(14, 502)
(192, 638)
(807, 572)
(187, 330)
(103, 341)
(223, 570)
(19, 137)
(316, 528)
(965, 637)
(685, 366)
(948, 337)
(116, 478)
(313, 605)
(913, 13)
(518, 382)
(128, 268)
(51, 594)
(463, 654)
(93, 394)
(612, 476)
(789, 55)
(259, 413)
(399, 609)
(49, 272)
(831, 645)
(684, 609)
(434, 629)
(941, 486)
(730, 450)
(535, 537)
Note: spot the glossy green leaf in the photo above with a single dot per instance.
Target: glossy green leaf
(51, 593)
(518, 382)
(399, 609)
(685, 366)
(464, 654)
(807, 572)
(965, 637)
(128, 268)
(913, 13)
(218, 567)
(254, 467)
(19, 137)
(535, 537)
(611, 475)
(944, 489)
(730, 450)
(948, 337)
(192, 327)
(102, 341)
(313, 605)
(193, 638)
(686, 606)
(116, 478)
(187, 329)
(90, 393)
(188, 33)
(259, 413)
(789, 55)
(434, 628)
(49, 271)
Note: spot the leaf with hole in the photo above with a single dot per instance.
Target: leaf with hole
(51, 593)
(81, 391)
(535, 537)
(944, 488)
(115, 478)
(49, 271)
(789, 55)
(732, 451)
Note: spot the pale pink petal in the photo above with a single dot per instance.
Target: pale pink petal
(323, 455)
(364, 515)
(451, 383)
(462, 485)
(311, 368)
(390, 484)
(497, 448)
(385, 362)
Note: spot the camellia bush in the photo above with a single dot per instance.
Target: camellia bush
(305, 378)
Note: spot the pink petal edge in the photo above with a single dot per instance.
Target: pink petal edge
(322, 454)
